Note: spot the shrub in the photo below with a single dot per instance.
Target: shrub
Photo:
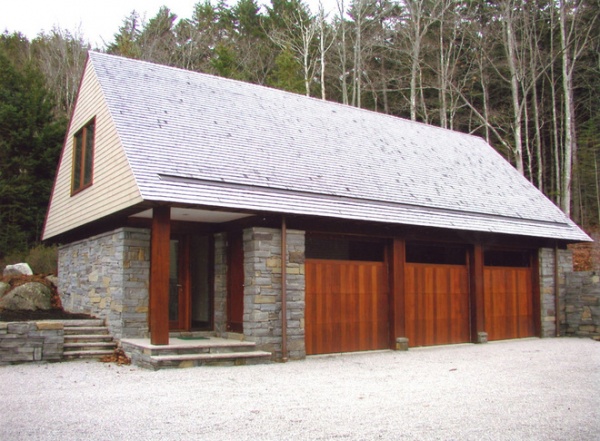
(42, 259)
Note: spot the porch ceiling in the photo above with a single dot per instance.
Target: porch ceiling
(196, 215)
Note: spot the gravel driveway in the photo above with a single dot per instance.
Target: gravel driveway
(514, 390)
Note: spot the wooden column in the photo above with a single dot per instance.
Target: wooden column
(536, 293)
(159, 275)
(397, 306)
(476, 291)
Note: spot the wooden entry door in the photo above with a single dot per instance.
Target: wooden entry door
(235, 282)
(190, 277)
(178, 284)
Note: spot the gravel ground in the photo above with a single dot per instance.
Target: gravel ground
(514, 390)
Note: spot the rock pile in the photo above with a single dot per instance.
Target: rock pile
(20, 290)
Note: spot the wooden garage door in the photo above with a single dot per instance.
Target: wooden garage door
(437, 304)
(346, 306)
(508, 302)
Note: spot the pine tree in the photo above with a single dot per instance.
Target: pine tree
(30, 140)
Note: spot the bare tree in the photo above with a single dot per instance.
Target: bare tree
(298, 35)
(325, 43)
(61, 58)
(574, 36)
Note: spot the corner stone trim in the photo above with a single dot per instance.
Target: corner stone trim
(108, 276)
(262, 290)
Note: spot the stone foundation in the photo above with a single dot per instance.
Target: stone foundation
(547, 289)
(582, 305)
(30, 341)
(108, 276)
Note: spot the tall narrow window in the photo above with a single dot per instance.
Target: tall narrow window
(83, 157)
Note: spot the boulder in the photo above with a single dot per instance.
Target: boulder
(18, 269)
(53, 280)
(29, 296)
(4, 287)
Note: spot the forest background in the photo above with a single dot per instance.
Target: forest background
(522, 74)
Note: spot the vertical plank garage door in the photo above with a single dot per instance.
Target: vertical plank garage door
(508, 295)
(436, 295)
(346, 296)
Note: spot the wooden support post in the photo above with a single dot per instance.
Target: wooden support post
(159, 275)
(477, 301)
(537, 297)
(284, 351)
(397, 306)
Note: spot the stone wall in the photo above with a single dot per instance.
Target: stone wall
(547, 289)
(108, 276)
(220, 285)
(583, 304)
(262, 291)
(30, 341)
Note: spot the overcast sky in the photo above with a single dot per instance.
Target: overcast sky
(96, 20)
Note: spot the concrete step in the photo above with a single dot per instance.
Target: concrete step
(181, 347)
(80, 323)
(74, 338)
(181, 353)
(71, 355)
(84, 345)
(86, 330)
(208, 359)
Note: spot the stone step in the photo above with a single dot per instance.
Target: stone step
(84, 323)
(72, 330)
(182, 347)
(207, 359)
(74, 338)
(84, 345)
(70, 355)
(201, 350)
(189, 353)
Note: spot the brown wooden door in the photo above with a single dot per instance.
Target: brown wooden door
(346, 306)
(235, 282)
(508, 302)
(190, 273)
(178, 284)
(436, 304)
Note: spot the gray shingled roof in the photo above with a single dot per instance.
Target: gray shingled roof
(198, 139)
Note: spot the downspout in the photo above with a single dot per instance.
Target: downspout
(556, 292)
(284, 356)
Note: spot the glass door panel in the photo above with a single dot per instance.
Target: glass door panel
(174, 283)
(200, 277)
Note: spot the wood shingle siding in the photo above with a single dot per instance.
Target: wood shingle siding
(114, 186)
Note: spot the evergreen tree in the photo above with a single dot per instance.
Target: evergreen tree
(30, 141)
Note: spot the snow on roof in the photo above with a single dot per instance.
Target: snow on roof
(199, 139)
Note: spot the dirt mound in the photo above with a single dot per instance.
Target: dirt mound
(586, 256)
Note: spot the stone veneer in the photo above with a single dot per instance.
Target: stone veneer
(262, 291)
(30, 341)
(107, 276)
(547, 289)
(220, 285)
(582, 304)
